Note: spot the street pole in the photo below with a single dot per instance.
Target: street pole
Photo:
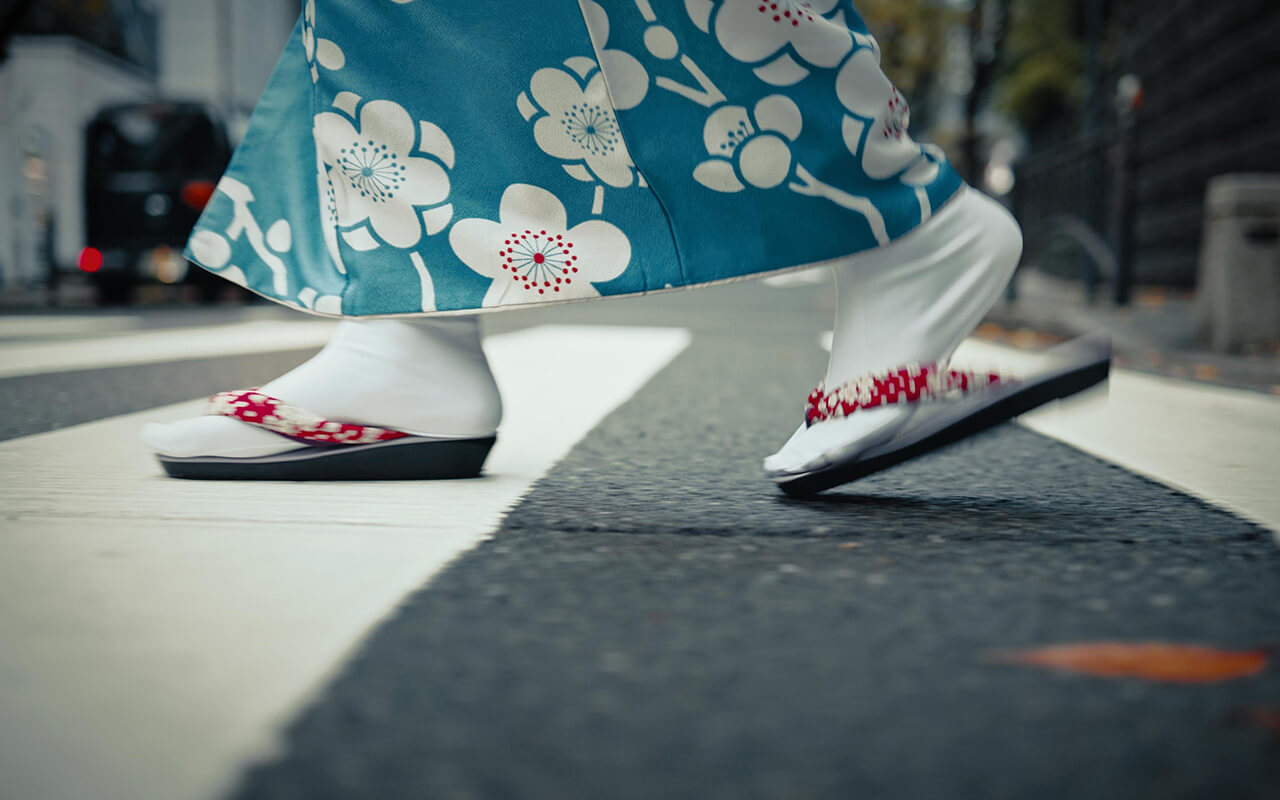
(1129, 98)
(1091, 134)
(988, 24)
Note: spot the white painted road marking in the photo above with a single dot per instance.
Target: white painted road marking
(1212, 442)
(156, 633)
(1215, 443)
(163, 345)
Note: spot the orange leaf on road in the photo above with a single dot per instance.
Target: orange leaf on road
(1152, 661)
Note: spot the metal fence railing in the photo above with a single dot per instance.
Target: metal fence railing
(1076, 193)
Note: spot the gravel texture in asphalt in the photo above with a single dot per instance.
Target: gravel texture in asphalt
(656, 620)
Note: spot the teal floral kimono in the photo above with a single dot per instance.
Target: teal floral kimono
(425, 156)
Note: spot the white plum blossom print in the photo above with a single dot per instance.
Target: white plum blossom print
(574, 110)
(746, 152)
(876, 131)
(328, 194)
(320, 52)
(213, 250)
(375, 175)
(628, 79)
(768, 32)
(533, 256)
(578, 125)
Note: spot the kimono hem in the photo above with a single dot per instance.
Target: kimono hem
(414, 157)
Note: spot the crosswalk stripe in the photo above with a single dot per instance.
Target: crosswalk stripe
(159, 632)
(1212, 442)
(163, 345)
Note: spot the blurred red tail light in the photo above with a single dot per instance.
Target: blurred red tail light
(198, 193)
(90, 259)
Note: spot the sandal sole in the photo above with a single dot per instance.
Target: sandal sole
(413, 459)
(1086, 362)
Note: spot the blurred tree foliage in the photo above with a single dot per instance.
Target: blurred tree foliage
(913, 40)
(1042, 71)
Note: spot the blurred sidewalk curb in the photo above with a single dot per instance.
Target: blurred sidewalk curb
(71, 293)
(1157, 333)
(24, 298)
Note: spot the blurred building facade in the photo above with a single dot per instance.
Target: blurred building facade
(63, 60)
(1210, 75)
(1175, 92)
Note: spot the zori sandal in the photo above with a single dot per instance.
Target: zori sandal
(953, 405)
(328, 450)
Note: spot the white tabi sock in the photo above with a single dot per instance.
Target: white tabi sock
(914, 300)
(427, 377)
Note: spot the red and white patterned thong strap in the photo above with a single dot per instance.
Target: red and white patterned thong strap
(909, 384)
(277, 416)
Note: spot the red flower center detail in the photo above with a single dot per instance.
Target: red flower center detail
(787, 12)
(539, 261)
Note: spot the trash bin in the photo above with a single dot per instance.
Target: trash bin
(1239, 271)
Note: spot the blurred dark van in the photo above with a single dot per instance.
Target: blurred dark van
(150, 169)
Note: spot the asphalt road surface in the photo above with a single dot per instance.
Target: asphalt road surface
(640, 614)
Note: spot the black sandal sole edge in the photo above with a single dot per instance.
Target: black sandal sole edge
(399, 460)
(1091, 367)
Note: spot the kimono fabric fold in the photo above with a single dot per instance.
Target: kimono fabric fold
(416, 157)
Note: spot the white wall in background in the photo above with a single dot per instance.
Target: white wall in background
(192, 62)
(52, 86)
(56, 84)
